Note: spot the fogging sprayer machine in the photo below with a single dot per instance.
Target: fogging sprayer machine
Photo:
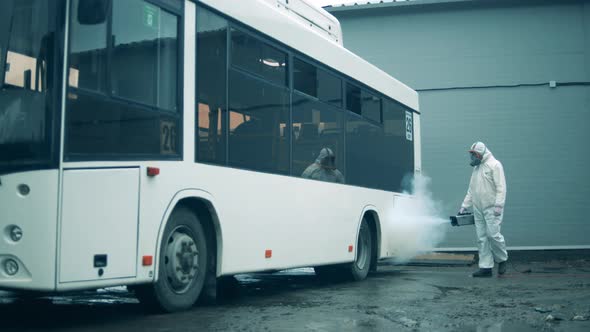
(462, 219)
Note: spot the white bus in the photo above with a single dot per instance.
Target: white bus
(161, 144)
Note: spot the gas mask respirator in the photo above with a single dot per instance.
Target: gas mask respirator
(475, 161)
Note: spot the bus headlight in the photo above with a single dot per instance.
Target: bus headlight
(10, 267)
(16, 233)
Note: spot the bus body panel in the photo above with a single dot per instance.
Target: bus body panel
(95, 284)
(99, 224)
(36, 214)
(254, 215)
(417, 144)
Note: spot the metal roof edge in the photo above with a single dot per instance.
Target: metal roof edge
(360, 5)
(384, 4)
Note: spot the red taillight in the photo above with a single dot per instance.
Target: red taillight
(349, 248)
(147, 260)
(153, 171)
(268, 253)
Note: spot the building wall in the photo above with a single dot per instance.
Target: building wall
(482, 71)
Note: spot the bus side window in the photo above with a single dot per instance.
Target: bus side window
(364, 152)
(127, 106)
(321, 126)
(88, 54)
(370, 106)
(259, 58)
(145, 54)
(211, 87)
(258, 111)
(400, 160)
(316, 82)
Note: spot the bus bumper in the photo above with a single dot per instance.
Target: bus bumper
(28, 230)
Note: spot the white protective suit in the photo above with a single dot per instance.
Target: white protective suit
(486, 195)
(324, 168)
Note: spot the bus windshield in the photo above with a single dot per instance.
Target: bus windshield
(26, 81)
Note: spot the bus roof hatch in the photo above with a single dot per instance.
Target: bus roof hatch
(314, 17)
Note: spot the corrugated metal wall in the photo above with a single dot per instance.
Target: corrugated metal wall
(483, 72)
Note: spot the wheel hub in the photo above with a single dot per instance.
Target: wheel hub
(182, 259)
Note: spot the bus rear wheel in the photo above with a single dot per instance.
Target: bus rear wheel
(182, 265)
(359, 269)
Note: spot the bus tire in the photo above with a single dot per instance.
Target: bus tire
(359, 269)
(182, 265)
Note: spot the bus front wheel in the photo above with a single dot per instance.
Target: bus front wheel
(182, 265)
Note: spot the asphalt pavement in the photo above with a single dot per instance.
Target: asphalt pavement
(550, 296)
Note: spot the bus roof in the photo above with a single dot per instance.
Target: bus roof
(274, 19)
(312, 16)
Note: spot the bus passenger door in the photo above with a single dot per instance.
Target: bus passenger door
(99, 221)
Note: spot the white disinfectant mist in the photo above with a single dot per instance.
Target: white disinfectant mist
(416, 224)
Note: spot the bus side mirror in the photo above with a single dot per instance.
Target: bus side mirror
(93, 11)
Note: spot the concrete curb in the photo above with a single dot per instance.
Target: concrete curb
(436, 259)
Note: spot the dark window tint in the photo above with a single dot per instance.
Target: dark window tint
(258, 133)
(380, 157)
(88, 54)
(317, 126)
(398, 141)
(144, 61)
(370, 106)
(305, 77)
(353, 98)
(211, 82)
(131, 113)
(100, 126)
(29, 52)
(317, 82)
(364, 153)
(329, 88)
(257, 57)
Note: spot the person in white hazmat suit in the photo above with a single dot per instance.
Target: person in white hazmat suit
(486, 196)
(324, 168)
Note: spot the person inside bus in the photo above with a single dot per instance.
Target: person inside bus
(324, 168)
(487, 195)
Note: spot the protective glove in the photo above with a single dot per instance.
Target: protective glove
(462, 211)
(498, 211)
